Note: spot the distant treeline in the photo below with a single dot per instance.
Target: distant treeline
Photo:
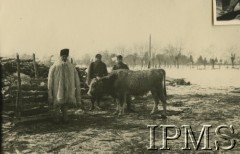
(169, 56)
(158, 60)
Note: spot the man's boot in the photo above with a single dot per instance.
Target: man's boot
(56, 114)
(64, 112)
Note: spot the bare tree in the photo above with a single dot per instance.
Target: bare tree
(121, 50)
(199, 61)
(205, 62)
(156, 50)
(135, 56)
(232, 51)
(191, 61)
(160, 59)
(213, 61)
(216, 60)
(153, 59)
(210, 51)
(177, 57)
(142, 58)
(169, 51)
(141, 49)
(220, 63)
(233, 57)
(174, 52)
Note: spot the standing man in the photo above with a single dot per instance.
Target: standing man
(96, 69)
(63, 86)
(121, 65)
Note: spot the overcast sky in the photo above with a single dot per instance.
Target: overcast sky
(89, 26)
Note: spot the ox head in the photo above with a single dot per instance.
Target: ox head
(95, 87)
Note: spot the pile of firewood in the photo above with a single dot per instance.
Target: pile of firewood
(175, 82)
(9, 67)
(34, 90)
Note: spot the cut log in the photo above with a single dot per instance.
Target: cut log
(31, 93)
(30, 105)
(173, 81)
(32, 99)
(27, 87)
(43, 116)
(35, 111)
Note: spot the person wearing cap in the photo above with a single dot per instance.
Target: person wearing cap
(121, 65)
(96, 69)
(63, 86)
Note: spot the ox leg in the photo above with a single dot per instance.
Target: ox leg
(120, 106)
(163, 99)
(156, 101)
(98, 102)
(93, 99)
(117, 102)
(122, 102)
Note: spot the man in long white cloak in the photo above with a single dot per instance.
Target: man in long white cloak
(63, 86)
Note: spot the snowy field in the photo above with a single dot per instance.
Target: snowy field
(219, 78)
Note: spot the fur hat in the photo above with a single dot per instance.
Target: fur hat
(98, 56)
(119, 57)
(64, 52)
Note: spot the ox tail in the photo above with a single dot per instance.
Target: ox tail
(164, 82)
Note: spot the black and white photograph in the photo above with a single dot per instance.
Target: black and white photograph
(119, 77)
(226, 12)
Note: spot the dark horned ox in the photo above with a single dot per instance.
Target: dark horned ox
(120, 83)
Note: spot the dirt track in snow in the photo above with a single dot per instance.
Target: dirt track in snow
(100, 131)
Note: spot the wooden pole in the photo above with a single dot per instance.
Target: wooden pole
(35, 66)
(19, 92)
(149, 54)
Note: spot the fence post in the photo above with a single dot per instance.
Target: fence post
(35, 66)
(149, 53)
(19, 90)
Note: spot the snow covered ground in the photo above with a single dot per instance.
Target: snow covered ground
(213, 98)
(218, 78)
